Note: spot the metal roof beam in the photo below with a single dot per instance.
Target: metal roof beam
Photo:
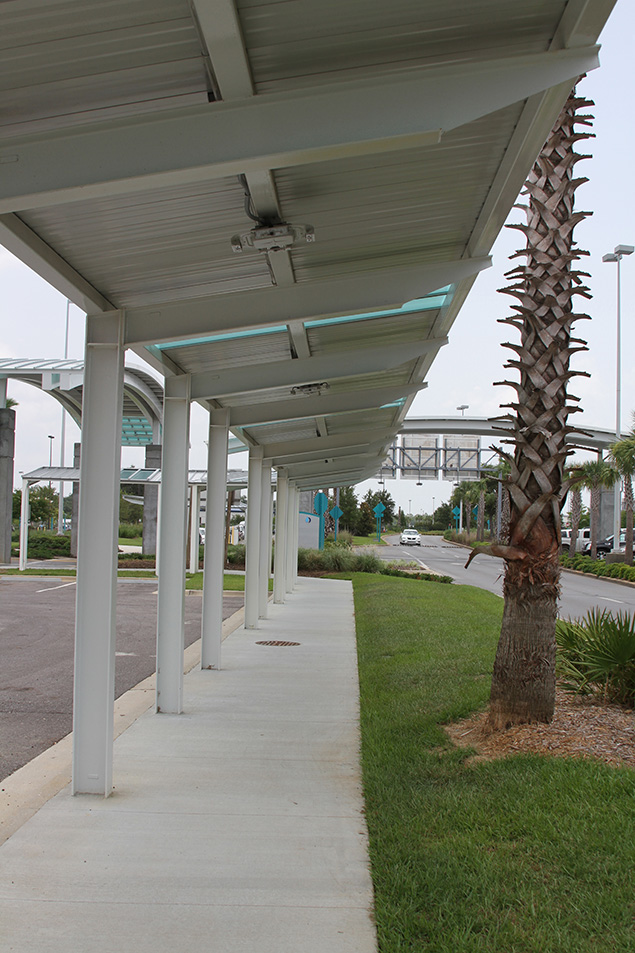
(299, 408)
(274, 130)
(319, 445)
(320, 469)
(210, 385)
(22, 242)
(370, 292)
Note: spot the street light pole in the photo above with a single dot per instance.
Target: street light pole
(616, 256)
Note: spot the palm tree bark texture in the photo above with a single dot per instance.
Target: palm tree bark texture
(523, 681)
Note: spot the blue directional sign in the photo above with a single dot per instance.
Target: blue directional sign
(320, 503)
(336, 512)
(378, 510)
(456, 511)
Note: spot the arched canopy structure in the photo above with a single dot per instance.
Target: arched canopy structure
(142, 410)
(281, 207)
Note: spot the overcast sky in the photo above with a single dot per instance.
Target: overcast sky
(34, 314)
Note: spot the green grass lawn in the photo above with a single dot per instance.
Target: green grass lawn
(527, 854)
(134, 541)
(368, 541)
(232, 583)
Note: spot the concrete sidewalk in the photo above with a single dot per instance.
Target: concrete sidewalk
(236, 826)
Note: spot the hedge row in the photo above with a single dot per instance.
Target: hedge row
(598, 567)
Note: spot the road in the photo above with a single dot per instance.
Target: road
(579, 593)
(37, 622)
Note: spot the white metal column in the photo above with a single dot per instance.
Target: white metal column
(292, 551)
(265, 541)
(24, 524)
(280, 560)
(172, 545)
(252, 553)
(95, 612)
(194, 495)
(296, 535)
(213, 571)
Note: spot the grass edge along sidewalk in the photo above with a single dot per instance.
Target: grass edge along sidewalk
(527, 854)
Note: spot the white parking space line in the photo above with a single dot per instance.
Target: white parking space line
(606, 599)
(50, 588)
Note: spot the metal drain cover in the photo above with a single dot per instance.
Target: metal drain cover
(274, 642)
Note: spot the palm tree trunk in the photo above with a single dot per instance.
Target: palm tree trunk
(628, 506)
(523, 682)
(480, 523)
(576, 513)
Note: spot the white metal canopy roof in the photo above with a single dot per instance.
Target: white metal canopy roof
(141, 141)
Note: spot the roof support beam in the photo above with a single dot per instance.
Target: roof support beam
(322, 468)
(23, 242)
(276, 130)
(321, 445)
(299, 408)
(373, 291)
(359, 450)
(238, 380)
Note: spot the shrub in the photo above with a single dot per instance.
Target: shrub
(236, 554)
(596, 655)
(47, 546)
(130, 530)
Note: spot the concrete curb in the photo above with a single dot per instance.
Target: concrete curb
(24, 792)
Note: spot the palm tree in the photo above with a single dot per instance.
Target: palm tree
(523, 681)
(595, 475)
(622, 456)
(576, 510)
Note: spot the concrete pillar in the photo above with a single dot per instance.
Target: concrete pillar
(95, 614)
(214, 566)
(296, 535)
(607, 513)
(280, 560)
(151, 501)
(173, 545)
(77, 455)
(265, 541)
(252, 549)
(7, 450)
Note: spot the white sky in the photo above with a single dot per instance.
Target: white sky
(34, 314)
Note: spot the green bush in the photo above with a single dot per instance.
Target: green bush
(598, 567)
(338, 559)
(236, 554)
(130, 530)
(596, 655)
(47, 546)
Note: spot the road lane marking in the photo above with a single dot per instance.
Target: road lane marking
(125, 653)
(606, 599)
(50, 588)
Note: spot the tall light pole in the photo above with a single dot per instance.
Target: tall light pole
(616, 256)
(463, 408)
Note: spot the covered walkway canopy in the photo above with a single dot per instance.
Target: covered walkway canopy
(281, 207)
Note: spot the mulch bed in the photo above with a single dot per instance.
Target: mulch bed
(582, 727)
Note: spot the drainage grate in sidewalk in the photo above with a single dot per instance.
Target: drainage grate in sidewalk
(274, 642)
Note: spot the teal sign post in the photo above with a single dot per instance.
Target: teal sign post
(378, 511)
(321, 505)
(456, 512)
(336, 512)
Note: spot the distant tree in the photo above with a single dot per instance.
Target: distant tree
(366, 520)
(403, 522)
(42, 504)
(442, 516)
(17, 504)
(382, 496)
(595, 475)
(130, 512)
(622, 455)
(348, 506)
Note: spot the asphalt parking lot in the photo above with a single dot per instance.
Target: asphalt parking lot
(37, 621)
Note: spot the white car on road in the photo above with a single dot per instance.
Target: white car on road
(410, 537)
